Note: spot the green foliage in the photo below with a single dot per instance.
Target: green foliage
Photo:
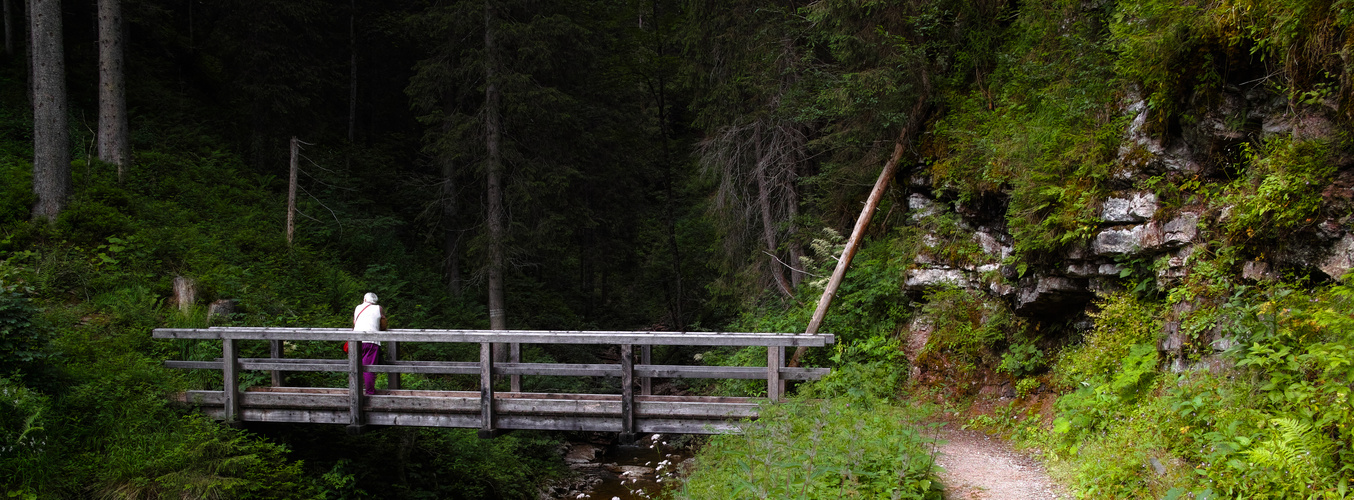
(201, 460)
(24, 414)
(1021, 359)
(1093, 406)
(809, 449)
(1122, 322)
(23, 342)
(1279, 192)
(966, 322)
(1275, 426)
(1175, 49)
(1042, 128)
(859, 383)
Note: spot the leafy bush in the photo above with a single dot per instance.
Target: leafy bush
(1122, 322)
(965, 322)
(1093, 406)
(1042, 130)
(201, 460)
(1276, 426)
(23, 343)
(809, 449)
(1021, 359)
(1280, 191)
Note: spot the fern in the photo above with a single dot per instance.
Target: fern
(1294, 456)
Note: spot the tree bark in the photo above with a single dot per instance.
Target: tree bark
(291, 189)
(916, 119)
(852, 244)
(114, 143)
(768, 222)
(493, 127)
(51, 139)
(9, 31)
(352, 71)
(675, 301)
(185, 293)
(451, 237)
(796, 250)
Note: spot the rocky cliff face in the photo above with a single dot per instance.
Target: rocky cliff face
(1145, 240)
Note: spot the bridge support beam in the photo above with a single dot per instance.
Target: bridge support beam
(487, 429)
(230, 369)
(355, 418)
(775, 387)
(646, 358)
(627, 394)
(275, 350)
(515, 356)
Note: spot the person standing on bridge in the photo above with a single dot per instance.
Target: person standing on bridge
(368, 317)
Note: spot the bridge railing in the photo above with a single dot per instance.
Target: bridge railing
(775, 372)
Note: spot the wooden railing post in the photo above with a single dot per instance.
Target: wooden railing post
(275, 350)
(646, 358)
(775, 356)
(392, 350)
(230, 369)
(355, 420)
(783, 361)
(627, 394)
(515, 356)
(487, 391)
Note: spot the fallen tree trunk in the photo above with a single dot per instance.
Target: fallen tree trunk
(852, 244)
(918, 118)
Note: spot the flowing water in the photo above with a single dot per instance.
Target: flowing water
(638, 472)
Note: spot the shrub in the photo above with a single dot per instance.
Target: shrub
(966, 322)
(1280, 189)
(819, 449)
(1122, 322)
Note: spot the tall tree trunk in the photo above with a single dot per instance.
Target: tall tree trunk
(451, 236)
(669, 209)
(51, 140)
(291, 188)
(796, 251)
(114, 144)
(768, 221)
(352, 71)
(9, 31)
(493, 127)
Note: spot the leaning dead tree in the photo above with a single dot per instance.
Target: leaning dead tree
(916, 120)
(757, 164)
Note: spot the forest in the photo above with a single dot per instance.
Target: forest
(1114, 234)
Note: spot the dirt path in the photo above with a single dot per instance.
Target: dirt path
(981, 468)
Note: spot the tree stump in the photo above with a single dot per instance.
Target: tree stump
(185, 293)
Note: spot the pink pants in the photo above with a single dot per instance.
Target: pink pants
(369, 355)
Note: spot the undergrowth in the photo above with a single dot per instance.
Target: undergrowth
(1276, 424)
(848, 446)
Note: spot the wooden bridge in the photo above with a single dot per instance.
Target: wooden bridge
(491, 412)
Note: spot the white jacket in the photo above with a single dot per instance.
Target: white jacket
(367, 318)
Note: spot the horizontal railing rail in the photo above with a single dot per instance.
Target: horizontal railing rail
(503, 336)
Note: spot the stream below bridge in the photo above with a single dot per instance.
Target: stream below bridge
(617, 472)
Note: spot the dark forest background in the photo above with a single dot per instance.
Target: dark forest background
(693, 165)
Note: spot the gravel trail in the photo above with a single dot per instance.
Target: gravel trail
(978, 467)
